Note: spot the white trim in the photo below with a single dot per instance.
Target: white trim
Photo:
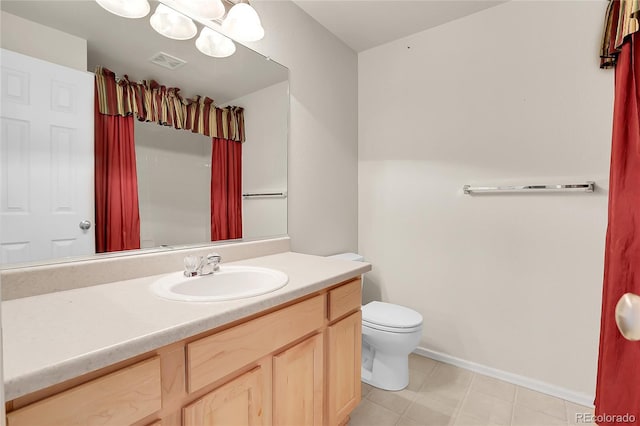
(547, 388)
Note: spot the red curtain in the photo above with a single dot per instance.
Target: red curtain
(618, 385)
(116, 184)
(226, 190)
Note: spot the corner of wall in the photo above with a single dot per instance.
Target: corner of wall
(42, 42)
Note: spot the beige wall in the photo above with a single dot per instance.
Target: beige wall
(264, 163)
(174, 207)
(323, 149)
(20, 35)
(512, 94)
(264, 159)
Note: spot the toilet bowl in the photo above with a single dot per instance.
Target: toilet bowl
(389, 334)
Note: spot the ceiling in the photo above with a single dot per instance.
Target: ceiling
(363, 24)
(126, 45)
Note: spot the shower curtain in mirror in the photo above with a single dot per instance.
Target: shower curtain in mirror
(618, 384)
(149, 101)
(117, 213)
(226, 189)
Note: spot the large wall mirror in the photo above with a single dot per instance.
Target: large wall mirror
(174, 166)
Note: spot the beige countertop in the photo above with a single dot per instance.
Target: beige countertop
(54, 337)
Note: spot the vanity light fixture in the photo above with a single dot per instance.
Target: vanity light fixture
(243, 23)
(126, 8)
(212, 43)
(207, 9)
(172, 24)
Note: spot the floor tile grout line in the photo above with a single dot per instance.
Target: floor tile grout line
(414, 394)
(540, 411)
(458, 409)
(513, 406)
(385, 408)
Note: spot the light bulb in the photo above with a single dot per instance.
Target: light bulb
(126, 8)
(214, 44)
(243, 23)
(207, 9)
(172, 24)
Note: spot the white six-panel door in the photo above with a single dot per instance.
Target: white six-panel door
(46, 160)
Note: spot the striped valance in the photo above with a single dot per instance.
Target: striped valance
(149, 101)
(621, 20)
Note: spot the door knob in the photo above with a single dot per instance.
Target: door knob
(85, 224)
(628, 316)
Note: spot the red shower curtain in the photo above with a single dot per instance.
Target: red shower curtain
(618, 386)
(116, 184)
(226, 189)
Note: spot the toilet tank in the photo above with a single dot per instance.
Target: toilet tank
(354, 257)
(348, 256)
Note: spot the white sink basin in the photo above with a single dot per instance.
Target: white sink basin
(231, 282)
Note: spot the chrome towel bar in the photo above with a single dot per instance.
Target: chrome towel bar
(282, 194)
(588, 186)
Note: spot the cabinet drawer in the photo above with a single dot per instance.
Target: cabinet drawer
(345, 299)
(213, 357)
(119, 398)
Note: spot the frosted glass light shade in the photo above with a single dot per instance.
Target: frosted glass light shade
(208, 9)
(214, 44)
(172, 24)
(243, 23)
(126, 8)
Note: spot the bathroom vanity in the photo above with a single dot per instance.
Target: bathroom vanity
(291, 357)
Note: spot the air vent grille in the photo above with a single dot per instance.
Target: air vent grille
(167, 61)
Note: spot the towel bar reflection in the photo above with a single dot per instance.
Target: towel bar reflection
(265, 195)
(588, 186)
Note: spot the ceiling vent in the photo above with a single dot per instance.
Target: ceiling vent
(167, 61)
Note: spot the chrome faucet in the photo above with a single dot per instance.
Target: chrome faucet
(210, 264)
(202, 265)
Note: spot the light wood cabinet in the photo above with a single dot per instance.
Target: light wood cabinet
(298, 384)
(344, 348)
(297, 364)
(213, 357)
(344, 299)
(121, 397)
(238, 403)
(344, 367)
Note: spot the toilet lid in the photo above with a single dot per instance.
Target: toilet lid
(390, 315)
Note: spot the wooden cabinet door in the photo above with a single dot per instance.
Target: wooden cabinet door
(344, 367)
(298, 384)
(237, 403)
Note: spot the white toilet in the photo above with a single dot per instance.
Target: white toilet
(389, 334)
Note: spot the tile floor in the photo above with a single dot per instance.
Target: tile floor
(443, 395)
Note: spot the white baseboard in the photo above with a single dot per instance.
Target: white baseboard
(549, 389)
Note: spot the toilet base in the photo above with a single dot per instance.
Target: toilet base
(388, 372)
